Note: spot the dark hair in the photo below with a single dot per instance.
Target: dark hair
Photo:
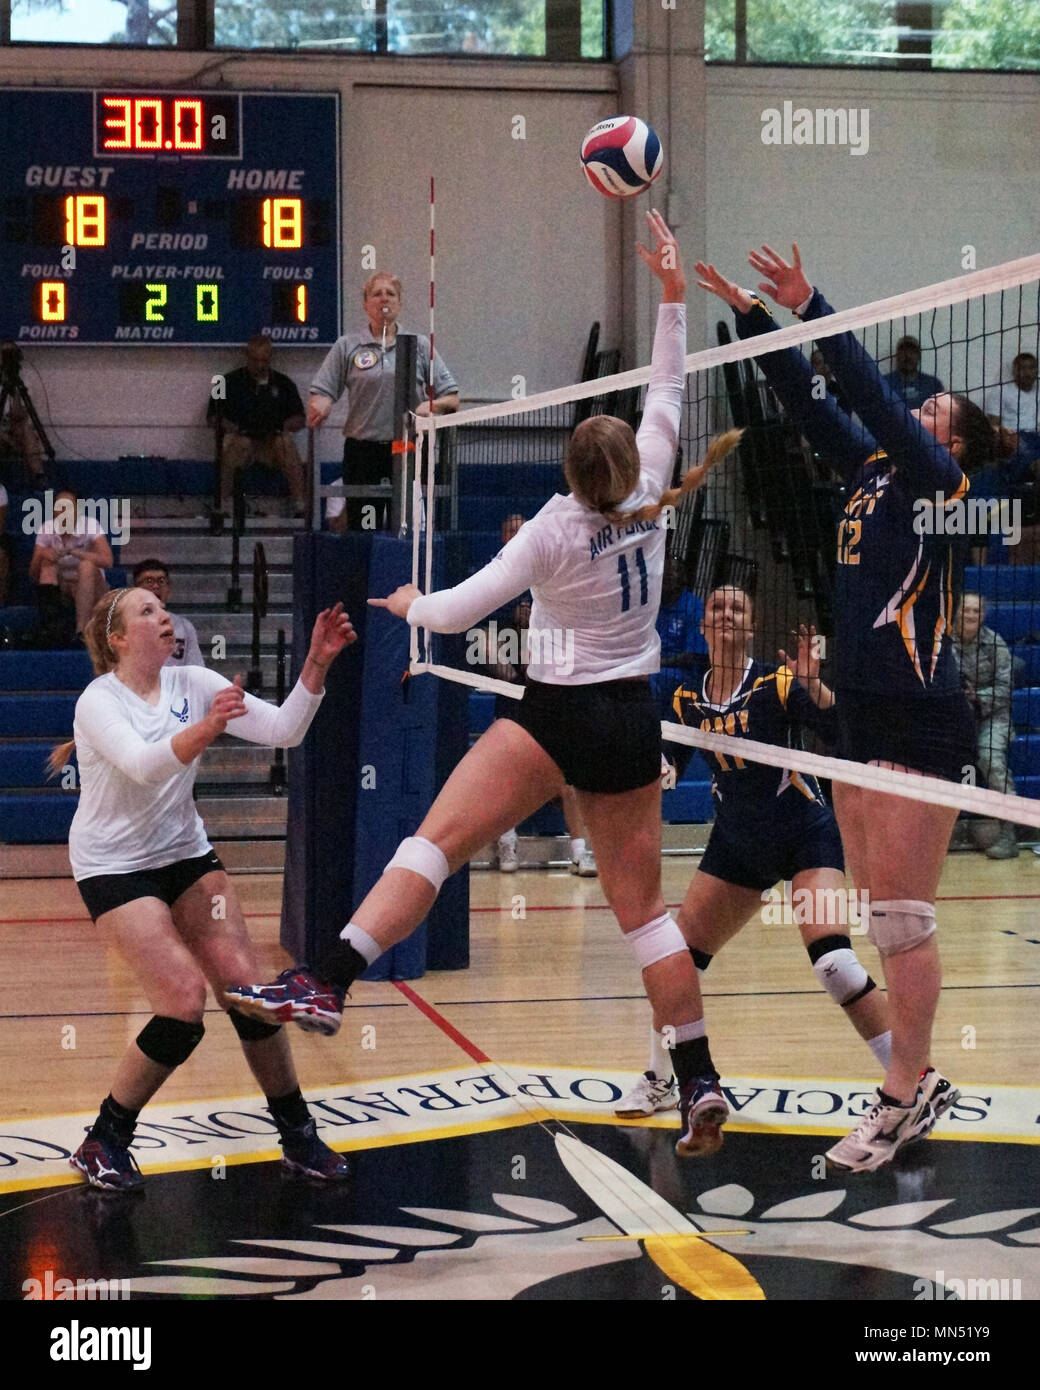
(978, 441)
(908, 341)
(143, 566)
(1024, 357)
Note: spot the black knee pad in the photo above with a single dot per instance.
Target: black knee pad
(169, 1041)
(701, 959)
(252, 1029)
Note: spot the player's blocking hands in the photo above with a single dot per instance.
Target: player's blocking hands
(728, 291)
(786, 281)
(332, 632)
(399, 602)
(664, 261)
(805, 664)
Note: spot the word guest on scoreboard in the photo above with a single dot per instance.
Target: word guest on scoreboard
(178, 218)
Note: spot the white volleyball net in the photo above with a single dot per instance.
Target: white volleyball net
(772, 518)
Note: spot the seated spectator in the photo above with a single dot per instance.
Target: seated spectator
(582, 861)
(908, 381)
(21, 452)
(1014, 408)
(5, 549)
(68, 560)
(155, 575)
(985, 663)
(257, 416)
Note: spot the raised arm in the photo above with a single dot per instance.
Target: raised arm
(658, 434)
(841, 441)
(918, 454)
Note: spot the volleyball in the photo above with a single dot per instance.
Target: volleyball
(621, 156)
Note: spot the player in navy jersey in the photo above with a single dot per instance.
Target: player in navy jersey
(593, 561)
(898, 702)
(772, 825)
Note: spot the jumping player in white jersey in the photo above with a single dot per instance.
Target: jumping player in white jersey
(149, 876)
(593, 561)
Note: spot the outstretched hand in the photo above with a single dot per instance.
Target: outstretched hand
(664, 261)
(786, 282)
(399, 601)
(805, 664)
(332, 632)
(727, 290)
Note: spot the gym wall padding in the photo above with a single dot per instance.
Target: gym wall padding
(379, 750)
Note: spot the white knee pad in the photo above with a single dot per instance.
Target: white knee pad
(656, 941)
(422, 857)
(839, 971)
(900, 924)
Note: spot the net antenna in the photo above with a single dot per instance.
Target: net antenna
(508, 461)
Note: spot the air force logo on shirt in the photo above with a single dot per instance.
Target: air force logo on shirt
(365, 358)
(182, 713)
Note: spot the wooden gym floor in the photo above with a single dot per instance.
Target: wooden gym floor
(553, 994)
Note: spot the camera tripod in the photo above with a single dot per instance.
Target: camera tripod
(12, 385)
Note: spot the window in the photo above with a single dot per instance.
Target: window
(94, 21)
(1001, 35)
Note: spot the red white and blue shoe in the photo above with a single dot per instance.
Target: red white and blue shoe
(295, 997)
(107, 1165)
(703, 1111)
(304, 1155)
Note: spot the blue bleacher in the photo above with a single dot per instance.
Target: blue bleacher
(37, 819)
(37, 716)
(1003, 583)
(1015, 621)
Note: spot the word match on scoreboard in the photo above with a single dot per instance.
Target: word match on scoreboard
(173, 218)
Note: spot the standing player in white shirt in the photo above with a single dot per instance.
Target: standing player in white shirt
(594, 567)
(149, 876)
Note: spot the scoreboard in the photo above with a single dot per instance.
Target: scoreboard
(155, 216)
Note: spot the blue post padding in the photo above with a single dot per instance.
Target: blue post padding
(318, 888)
(343, 830)
(412, 735)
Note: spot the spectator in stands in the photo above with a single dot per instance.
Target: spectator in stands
(583, 861)
(1014, 408)
(985, 663)
(363, 363)
(258, 414)
(908, 381)
(21, 453)
(5, 549)
(819, 366)
(67, 566)
(155, 575)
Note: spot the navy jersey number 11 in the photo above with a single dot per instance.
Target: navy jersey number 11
(644, 586)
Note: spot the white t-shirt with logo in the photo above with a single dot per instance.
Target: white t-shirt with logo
(596, 588)
(135, 807)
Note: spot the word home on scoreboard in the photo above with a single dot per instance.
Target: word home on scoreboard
(173, 218)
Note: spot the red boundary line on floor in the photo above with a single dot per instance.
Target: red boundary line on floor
(442, 1023)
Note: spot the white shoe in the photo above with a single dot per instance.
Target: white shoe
(585, 865)
(880, 1134)
(508, 861)
(647, 1096)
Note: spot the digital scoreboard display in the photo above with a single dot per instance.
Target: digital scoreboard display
(167, 217)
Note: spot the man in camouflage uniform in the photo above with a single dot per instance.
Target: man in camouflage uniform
(985, 663)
